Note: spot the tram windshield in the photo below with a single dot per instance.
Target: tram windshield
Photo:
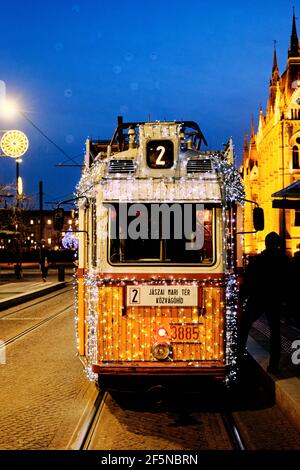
(161, 234)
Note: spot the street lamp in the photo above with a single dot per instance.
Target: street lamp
(9, 109)
(15, 144)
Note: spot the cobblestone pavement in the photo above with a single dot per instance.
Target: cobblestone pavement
(267, 429)
(44, 392)
(123, 427)
(260, 421)
(16, 319)
(192, 421)
(42, 385)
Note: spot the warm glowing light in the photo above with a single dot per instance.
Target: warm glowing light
(14, 143)
(9, 109)
(162, 332)
(114, 332)
(20, 186)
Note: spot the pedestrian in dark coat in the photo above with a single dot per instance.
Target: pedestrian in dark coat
(295, 309)
(266, 290)
(44, 264)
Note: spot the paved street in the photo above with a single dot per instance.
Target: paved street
(192, 419)
(42, 384)
(44, 393)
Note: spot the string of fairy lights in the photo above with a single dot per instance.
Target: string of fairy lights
(110, 336)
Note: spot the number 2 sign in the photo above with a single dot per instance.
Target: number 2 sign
(134, 296)
(160, 154)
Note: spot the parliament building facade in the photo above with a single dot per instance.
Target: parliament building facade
(272, 157)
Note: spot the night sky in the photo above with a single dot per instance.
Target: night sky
(74, 66)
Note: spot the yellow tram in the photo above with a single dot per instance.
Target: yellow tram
(158, 258)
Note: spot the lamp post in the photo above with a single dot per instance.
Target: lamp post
(19, 182)
(14, 144)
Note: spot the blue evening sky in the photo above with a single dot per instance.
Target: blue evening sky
(73, 66)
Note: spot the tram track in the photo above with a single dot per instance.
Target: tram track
(34, 327)
(33, 303)
(90, 426)
(233, 431)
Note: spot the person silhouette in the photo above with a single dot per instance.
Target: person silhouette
(294, 313)
(265, 290)
(44, 264)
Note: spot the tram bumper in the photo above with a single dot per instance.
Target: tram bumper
(215, 370)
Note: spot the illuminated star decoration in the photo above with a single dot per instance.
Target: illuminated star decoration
(70, 241)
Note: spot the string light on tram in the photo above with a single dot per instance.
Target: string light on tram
(108, 292)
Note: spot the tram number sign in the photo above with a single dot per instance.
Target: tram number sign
(184, 333)
(160, 154)
(134, 296)
(162, 296)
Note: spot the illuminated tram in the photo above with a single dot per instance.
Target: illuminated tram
(158, 258)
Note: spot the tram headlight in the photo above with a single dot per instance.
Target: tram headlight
(162, 332)
(161, 351)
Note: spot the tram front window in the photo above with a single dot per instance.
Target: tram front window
(189, 240)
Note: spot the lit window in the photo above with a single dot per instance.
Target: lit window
(49, 241)
(63, 233)
(295, 158)
(297, 218)
(49, 222)
(70, 221)
(31, 221)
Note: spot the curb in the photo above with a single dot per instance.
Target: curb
(285, 390)
(20, 299)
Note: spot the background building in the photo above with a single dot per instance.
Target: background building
(272, 159)
(22, 228)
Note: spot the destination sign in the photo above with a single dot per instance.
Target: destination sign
(162, 296)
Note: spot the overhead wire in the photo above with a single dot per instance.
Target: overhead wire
(48, 138)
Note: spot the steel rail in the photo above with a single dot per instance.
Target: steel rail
(44, 299)
(233, 431)
(88, 423)
(35, 327)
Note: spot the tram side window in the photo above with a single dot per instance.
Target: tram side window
(166, 248)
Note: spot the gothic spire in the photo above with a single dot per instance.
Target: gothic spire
(246, 149)
(252, 129)
(275, 65)
(253, 156)
(275, 69)
(294, 44)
